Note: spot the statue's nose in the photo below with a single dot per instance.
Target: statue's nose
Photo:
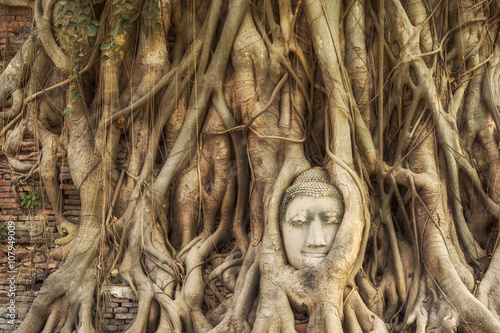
(316, 237)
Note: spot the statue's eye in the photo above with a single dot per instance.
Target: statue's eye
(298, 220)
(331, 218)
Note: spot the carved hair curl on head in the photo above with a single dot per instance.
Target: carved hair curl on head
(310, 183)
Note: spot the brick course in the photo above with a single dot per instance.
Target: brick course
(15, 26)
(35, 234)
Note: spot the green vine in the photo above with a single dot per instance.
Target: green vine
(75, 21)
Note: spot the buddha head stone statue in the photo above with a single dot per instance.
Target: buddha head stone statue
(310, 215)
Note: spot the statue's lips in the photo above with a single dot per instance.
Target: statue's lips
(314, 254)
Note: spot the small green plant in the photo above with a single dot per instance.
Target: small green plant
(3, 232)
(30, 199)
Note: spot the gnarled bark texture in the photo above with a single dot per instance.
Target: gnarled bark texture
(218, 106)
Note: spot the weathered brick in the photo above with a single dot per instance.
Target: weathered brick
(26, 157)
(70, 192)
(120, 310)
(123, 327)
(107, 327)
(72, 213)
(119, 300)
(67, 187)
(9, 212)
(8, 218)
(129, 304)
(125, 315)
(46, 211)
(30, 218)
(73, 202)
(72, 208)
(65, 176)
(9, 205)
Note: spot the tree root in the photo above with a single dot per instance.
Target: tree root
(18, 68)
(358, 318)
(61, 287)
(16, 107)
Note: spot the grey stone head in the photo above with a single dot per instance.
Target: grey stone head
(310, 216)
(311, 183)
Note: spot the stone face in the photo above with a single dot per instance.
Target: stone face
(309, 229)
(310, 215)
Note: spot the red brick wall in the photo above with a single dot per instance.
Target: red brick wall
(34, 235)
(35, 230)
(34, 239)
(15, 26)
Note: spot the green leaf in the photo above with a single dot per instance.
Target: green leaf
(147, 13)
(87, 10)
(77, 59)
(69, 13)
(91, 30)
(63, 2)
(135, 16)
(73, 38)
(104, 58)
(115, 29)
(117, 10)
(71, 25)
(66, 111)
(82, 16)
(96, 22)
(156, 10)
(114, 2)
(157, 26)
(129, 5)
(105, 46)
(74, 97)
